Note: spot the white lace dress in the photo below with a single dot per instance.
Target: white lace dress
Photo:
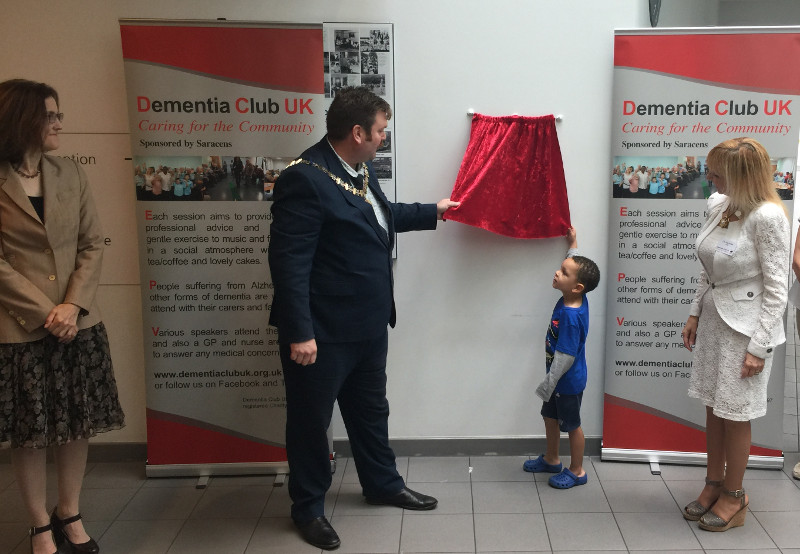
(719, 354)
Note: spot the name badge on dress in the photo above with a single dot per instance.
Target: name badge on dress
(727, 247)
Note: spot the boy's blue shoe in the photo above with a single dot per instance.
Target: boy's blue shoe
(540, 466)
(566, 480)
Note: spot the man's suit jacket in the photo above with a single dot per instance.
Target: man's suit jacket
(750, 287)
(45, 264)
(330, 259)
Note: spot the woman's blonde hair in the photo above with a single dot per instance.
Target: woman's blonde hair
(745, 165)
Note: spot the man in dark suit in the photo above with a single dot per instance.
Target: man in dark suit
(332, 236)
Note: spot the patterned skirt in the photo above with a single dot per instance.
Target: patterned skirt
(53, 393)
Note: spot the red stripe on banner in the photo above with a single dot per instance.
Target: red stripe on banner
(629, 428)
(282, 59)
(169, 442)
(751, 61)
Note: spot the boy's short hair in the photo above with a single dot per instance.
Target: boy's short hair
(588, 273)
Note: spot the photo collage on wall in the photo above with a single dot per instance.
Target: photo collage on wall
(359, 54)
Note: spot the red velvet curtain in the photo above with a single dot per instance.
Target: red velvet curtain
(511, 180)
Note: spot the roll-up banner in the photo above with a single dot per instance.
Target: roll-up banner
(217, 110)
(677, 94)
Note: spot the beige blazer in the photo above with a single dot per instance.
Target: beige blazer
(45, 264)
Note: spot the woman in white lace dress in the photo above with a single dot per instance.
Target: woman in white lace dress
(736, 319)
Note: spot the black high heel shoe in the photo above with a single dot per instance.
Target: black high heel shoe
(33, 531)
(60, 535)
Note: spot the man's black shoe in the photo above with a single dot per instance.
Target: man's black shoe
(318, 532)
(407, 499)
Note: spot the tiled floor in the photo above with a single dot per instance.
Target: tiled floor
(486, 504)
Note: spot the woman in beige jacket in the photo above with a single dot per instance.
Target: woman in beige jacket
(57, 386)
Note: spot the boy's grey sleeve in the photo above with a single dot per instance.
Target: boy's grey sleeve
(561, 364)
(571, 252)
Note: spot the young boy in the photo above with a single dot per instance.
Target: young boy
(562, 388)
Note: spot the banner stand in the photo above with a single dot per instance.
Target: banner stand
(681, 458)
(677, 94)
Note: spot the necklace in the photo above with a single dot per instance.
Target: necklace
(726, 218)
(361, 193)
(23, 174)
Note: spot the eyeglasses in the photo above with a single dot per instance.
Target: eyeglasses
(52, 116)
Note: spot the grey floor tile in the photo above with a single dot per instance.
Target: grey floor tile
(746, 551)
(505, 498)
(279, 504)
(12, 534)
(674, 472)
(278, 535)
(171, 482)
(437, 533)
(402, 467)
(97, 528)
(640, 497)
(782, 527)
(598, 532)
(104, 504)
(643, 531)
(115, 476)
(623, 471)
(232, 502)
(698, 549)
(750, 536)
(454, 498)
(438, 470)
(790, 443)
(510, 533)
(161, 503)
(499, 468)
(789, 423)
(242, 481)
(368, 534)
(585, 498)
(212, 536)
(140, 537)
(13, 508)
(759, 474)
(51, 477)
(791, 458)
(772, 496)
(349, 472)
(6, 476)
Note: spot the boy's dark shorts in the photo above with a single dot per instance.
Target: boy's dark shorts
(566, 408)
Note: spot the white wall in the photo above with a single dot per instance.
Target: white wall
(473, 307)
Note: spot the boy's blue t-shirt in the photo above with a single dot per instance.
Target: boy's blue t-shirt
(567, 333)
